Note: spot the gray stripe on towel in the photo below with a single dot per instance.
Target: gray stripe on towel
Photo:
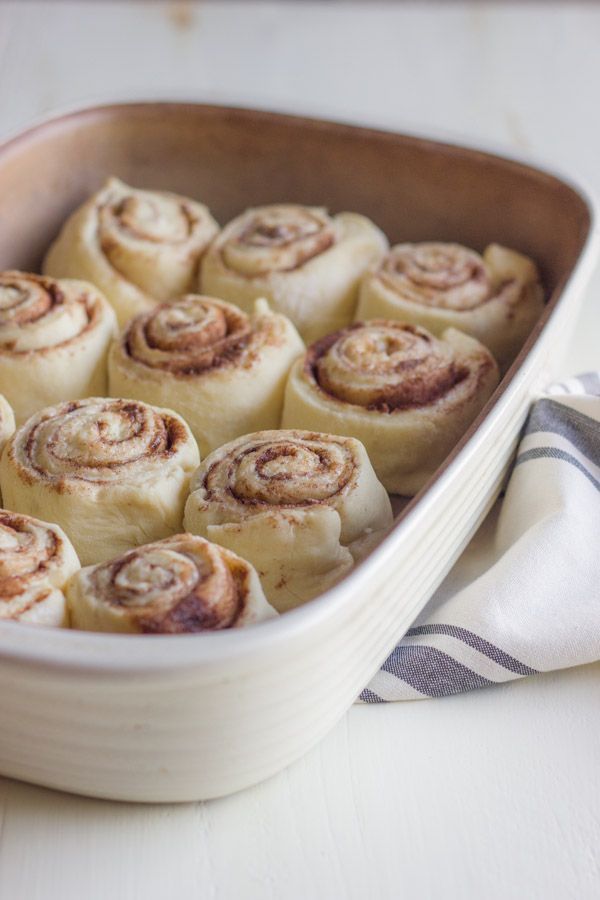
(579, 429)
(478, 643)
(369, 696)
(555, 453)
(432, 672)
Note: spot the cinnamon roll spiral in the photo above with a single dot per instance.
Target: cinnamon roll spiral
(54, 338)
(496, 298)
(180, 585)
(222, 370)
(407, 395)
(305, 262)
(113, 473)
(36, 559)
(293, 503)
(139, 247)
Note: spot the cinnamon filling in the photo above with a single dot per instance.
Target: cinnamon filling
(27, 301)
(27, 551)
(179, 586)
(444, 276)
(282, 473)
(383, 366)
(155, 219)
(189, 337)
(277, 239)
(98, 441)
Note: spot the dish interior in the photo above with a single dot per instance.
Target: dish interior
(414, 189)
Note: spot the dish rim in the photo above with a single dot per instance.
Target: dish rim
(115, 654)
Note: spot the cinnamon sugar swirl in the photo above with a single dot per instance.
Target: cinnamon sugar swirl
(496, 298)
(113, 473)
(139, 247)
(180, 585)
(305, 262)
(407, 395)
(54, 339)
(293, 503)
(222, 370)
(36, 559)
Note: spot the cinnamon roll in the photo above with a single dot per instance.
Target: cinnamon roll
(180, 585)
(36, 559)
(407, 395)
(138, 247)
(54, 339)
(222, 370)
(293, 503)
(113, 473)
(496, 298)
(305, 262)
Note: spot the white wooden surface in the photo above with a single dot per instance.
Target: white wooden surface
(490, 795)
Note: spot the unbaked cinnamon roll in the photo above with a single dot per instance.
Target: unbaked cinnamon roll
(138, 247)
(496, 298)
(113, 473)
(407, 395)
(54, 339)
(305, 262)
(36, 560)
(222, 370)
(293, 503)
(180, 585)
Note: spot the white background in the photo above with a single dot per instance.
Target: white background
(491, 795)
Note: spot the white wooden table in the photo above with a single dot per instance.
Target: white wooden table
(491, 795)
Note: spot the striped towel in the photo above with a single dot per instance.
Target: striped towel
(525, 595)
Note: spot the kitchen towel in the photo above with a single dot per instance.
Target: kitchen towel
(525, 596)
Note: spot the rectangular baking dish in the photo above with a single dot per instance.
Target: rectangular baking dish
(193, 717)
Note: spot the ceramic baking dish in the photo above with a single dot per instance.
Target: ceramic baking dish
(181, 718)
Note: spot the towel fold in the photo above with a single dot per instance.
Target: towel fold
(525, 596)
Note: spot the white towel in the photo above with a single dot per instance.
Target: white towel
(525, 595)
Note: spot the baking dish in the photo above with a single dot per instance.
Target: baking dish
(151, 718)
